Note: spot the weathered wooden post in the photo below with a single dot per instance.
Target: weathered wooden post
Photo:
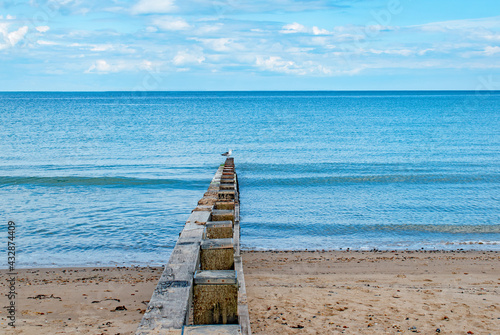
(215, 297)
(219, 229)
(217, 254)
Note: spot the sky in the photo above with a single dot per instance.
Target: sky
(174, 45)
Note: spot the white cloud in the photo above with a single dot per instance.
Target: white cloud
(42, 42)
(220, 44)
(17, 35)
(101, 66)
(424, 51)
(319, 31)
(487, 51)
(221, 8)
(278, 64)
(400, 52)
(298, 50)
(10, 38)
(42, 29)
(350, 32)
(490, 51)
(154, 7)
(170, 23)
(293, 28)
(476, 32)
(486, 23)
(491, 36)
(120, 48)
(102, 47)
(62, 2)
(188, 57)
(320, 40)
(208, 29)
(146, 65)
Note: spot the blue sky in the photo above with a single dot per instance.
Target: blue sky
(76, 45)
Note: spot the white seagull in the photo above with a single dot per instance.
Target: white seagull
(227, 154)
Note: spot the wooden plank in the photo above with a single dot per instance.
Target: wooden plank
(219, 224)
(215, 277)
(243, 313)
(217, 243)
(196, 219)
(222, 215)
(213, 330)
(228, 205)
(218, 229)
(169, 303)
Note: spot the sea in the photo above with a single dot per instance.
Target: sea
(109, 178)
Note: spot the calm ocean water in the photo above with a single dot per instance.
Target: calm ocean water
(110, 178)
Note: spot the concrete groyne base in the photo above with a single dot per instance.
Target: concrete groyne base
(194, 291)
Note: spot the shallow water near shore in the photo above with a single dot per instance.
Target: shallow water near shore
(110, 178)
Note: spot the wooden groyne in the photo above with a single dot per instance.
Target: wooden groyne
(202, 289)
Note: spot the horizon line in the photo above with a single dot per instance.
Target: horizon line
(242, 91)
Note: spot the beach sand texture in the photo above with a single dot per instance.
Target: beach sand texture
(332, 292)
(373, 292)
(80, 300)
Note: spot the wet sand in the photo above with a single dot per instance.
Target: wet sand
(288, 293)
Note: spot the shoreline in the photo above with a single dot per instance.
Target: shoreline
(158, 264)
(289, 292)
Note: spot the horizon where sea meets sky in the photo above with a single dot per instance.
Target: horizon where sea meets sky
(152, 45)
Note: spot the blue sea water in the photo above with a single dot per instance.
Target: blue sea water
(110, 178)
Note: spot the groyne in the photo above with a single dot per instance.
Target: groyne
(202, 289)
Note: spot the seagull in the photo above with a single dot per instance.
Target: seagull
(227, 154)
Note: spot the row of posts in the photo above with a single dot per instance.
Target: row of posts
(202, 288)
(215, 290)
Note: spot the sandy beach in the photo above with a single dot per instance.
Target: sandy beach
(329, 292)
(79, 300)
(373, 292)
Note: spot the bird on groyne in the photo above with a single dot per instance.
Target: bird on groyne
(227, 154)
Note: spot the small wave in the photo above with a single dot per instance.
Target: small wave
(62, 181)
(378, 229)
(473, 243)
(442, 228)
(375, 179)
